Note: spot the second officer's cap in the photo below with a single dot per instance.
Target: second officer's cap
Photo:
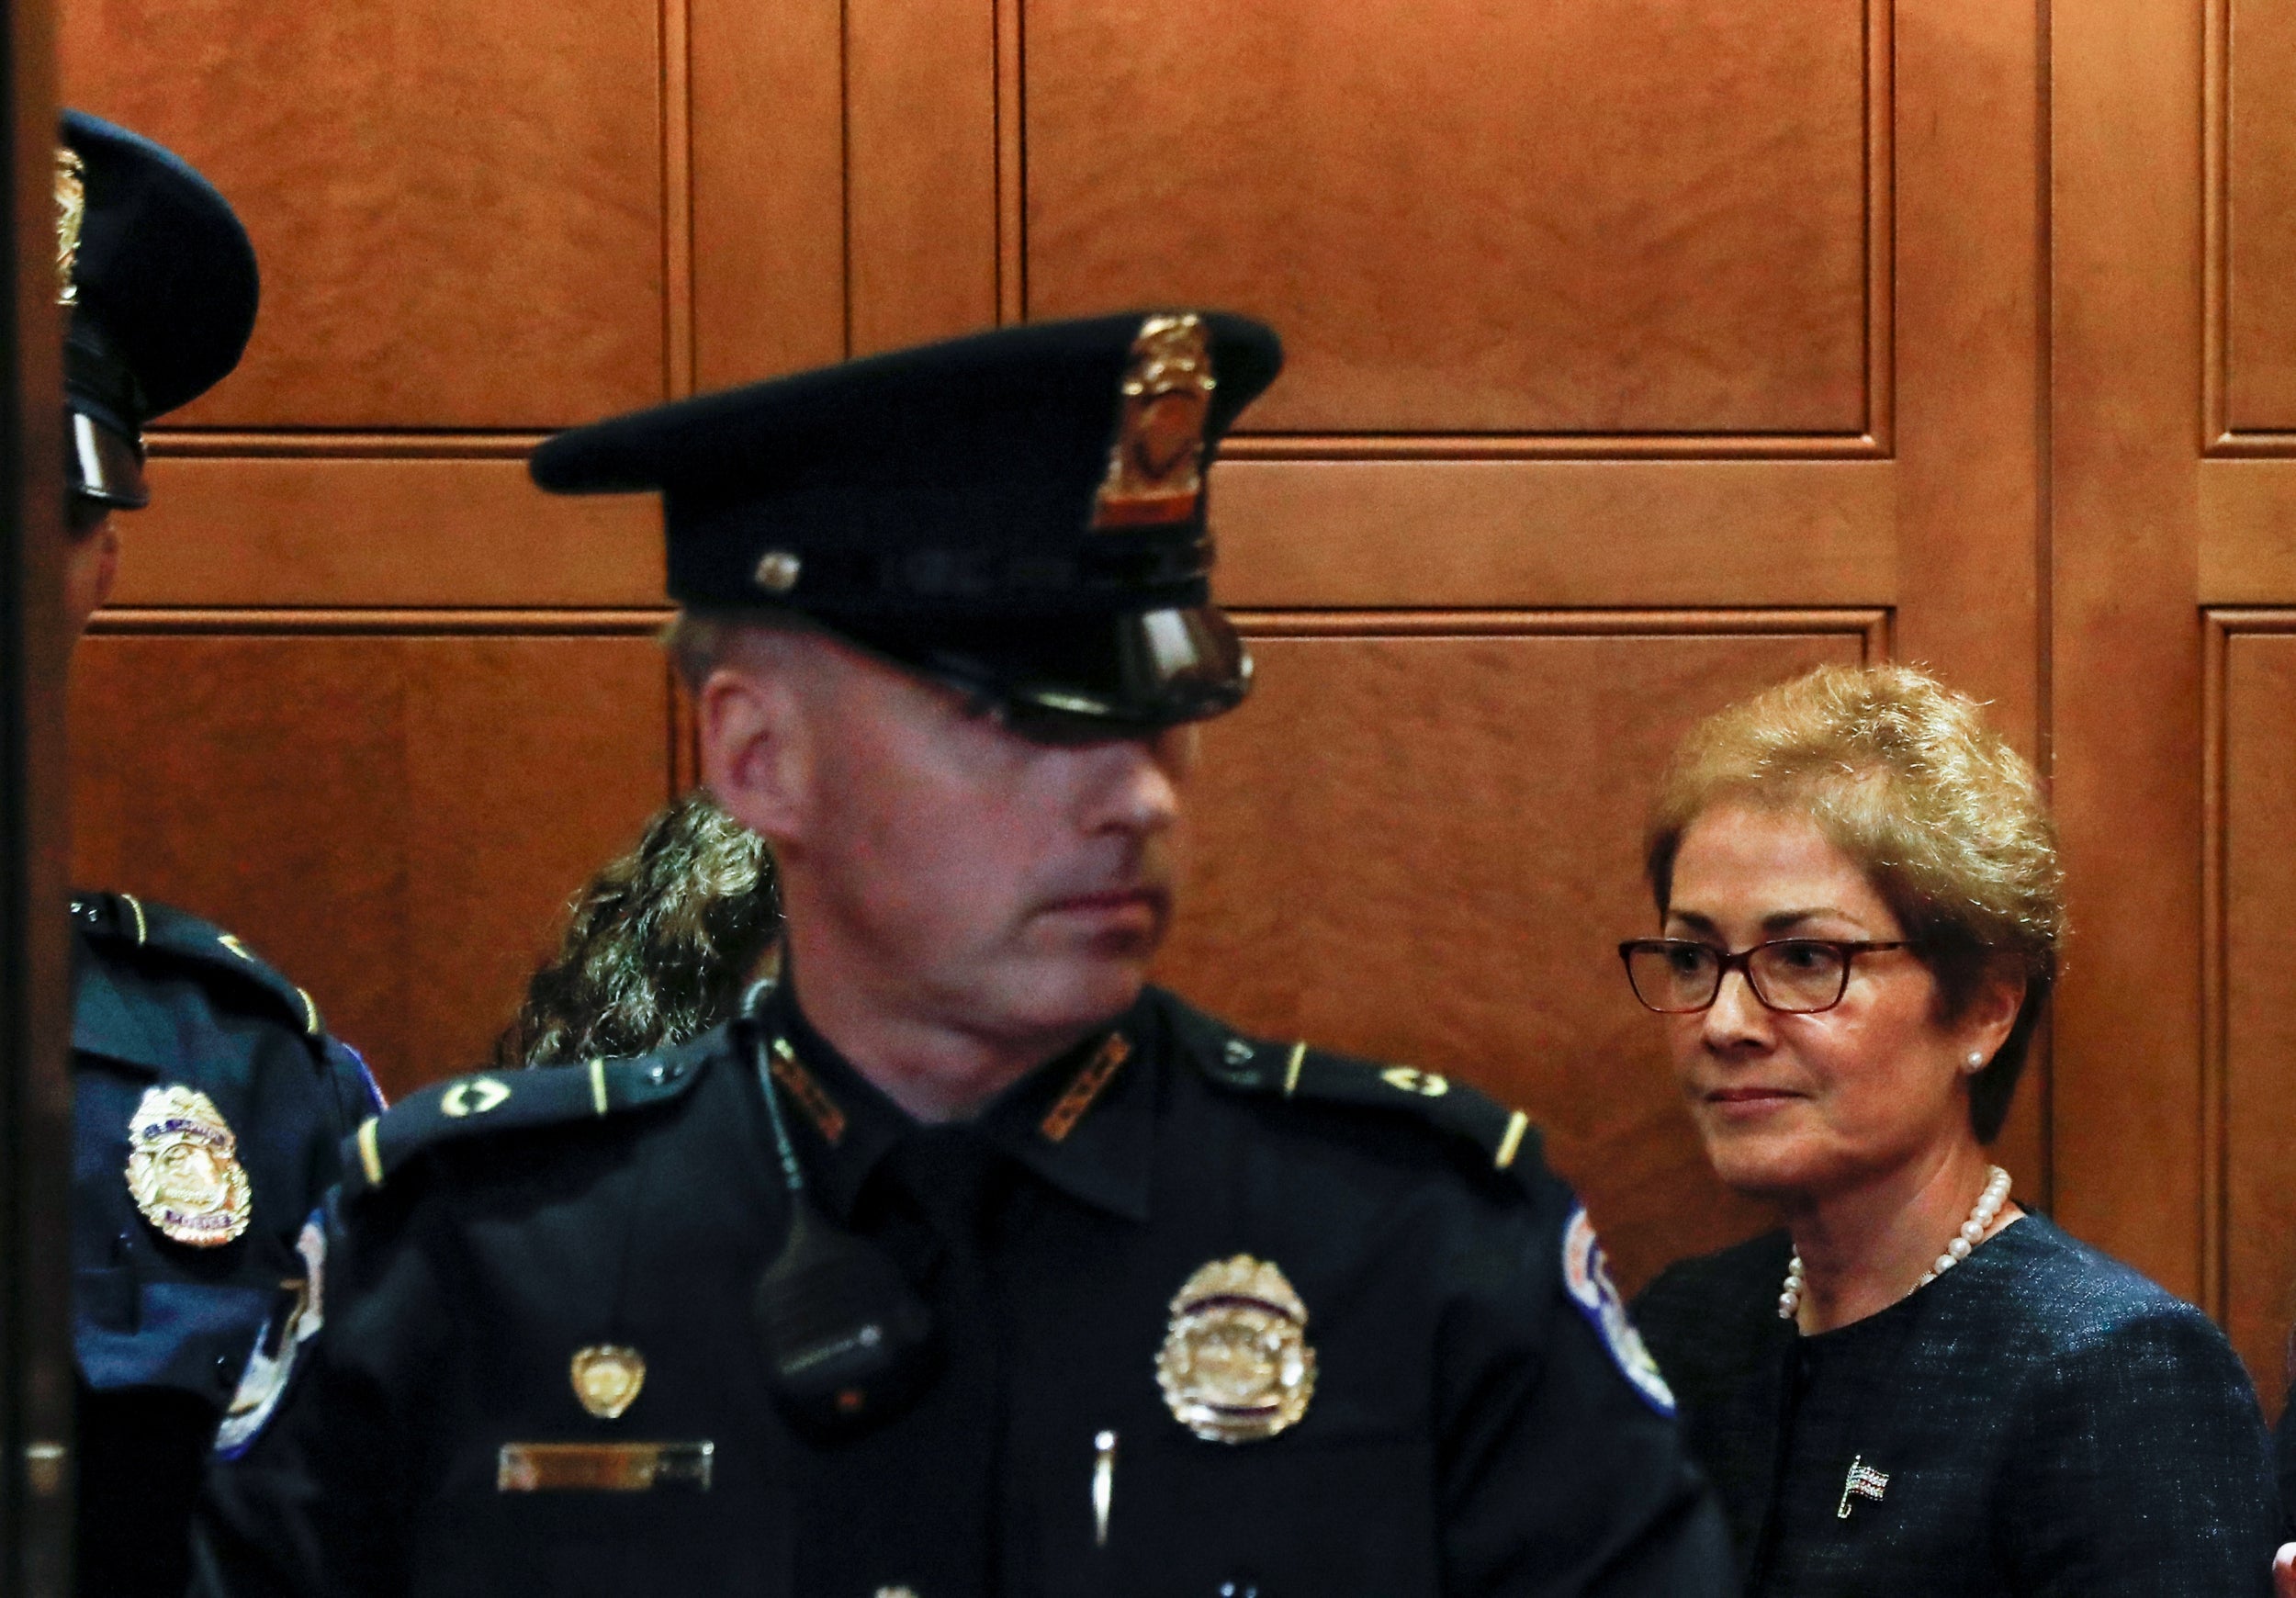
(1021, 512)
(159, 281)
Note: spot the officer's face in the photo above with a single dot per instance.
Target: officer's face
(961, 874)
(1797, 1107)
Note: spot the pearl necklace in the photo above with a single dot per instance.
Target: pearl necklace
(1971, 1233)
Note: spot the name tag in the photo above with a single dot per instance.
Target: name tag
(602, 1466)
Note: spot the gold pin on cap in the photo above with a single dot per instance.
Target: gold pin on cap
(183, 1168)
(1236, 1366)
(1156, 471)
(606, 1378)
(70, 216)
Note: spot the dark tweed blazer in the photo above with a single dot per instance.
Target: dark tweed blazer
(2041, 1420)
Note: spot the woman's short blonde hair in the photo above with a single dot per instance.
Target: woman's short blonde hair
(1906, 778)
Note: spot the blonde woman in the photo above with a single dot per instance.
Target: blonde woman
(1916, 1385)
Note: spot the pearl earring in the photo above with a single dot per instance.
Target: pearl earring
(1976, 1059)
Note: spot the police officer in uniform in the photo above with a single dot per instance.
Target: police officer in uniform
(963, 1262)
(209, 1104)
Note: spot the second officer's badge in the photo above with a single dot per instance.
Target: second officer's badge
(1236, 1366)
(183, 1168)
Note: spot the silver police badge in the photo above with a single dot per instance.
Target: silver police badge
(1235, 1365)
(183, 1168)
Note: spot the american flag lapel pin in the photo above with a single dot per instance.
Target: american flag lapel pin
(1863, 1481)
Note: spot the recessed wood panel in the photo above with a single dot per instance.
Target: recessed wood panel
(2255, 246)
(2255, 872)
(769, 188)
(457, 208)
(1387, 533)
(396, 821)
(1420, 840)
(342, 530)
(1570, 216)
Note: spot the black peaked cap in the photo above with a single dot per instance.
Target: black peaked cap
(994, 442)
(1021, 510)
(165, 272)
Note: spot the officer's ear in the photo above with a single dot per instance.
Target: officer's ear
(756, 756)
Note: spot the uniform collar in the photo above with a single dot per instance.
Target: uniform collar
(1084, 1122)
(105, 1023)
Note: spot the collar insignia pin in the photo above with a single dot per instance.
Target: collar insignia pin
(1084, 1089)
(1863, 1481)
(1236, 1366)
(183, 1168)
(607, 1378)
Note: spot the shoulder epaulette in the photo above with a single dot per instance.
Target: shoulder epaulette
(124, 919)
(1297, 1071)
(497, 1101)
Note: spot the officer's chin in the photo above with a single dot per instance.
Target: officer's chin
(1078, 989)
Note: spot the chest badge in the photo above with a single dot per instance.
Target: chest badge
(606, 1378)
(1236, 1366)
(183, 1168)
(1863, 1481)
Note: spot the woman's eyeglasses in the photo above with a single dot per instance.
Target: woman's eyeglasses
(1799, 976)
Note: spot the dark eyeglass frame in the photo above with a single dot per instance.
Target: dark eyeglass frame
(1846, 948)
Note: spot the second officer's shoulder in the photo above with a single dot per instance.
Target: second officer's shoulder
(547, 1102)
(128, 932)
(1317, 1090)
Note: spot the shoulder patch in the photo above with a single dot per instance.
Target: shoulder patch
(1586, 1277)
(271, 1363)
(496, 1101)
(1296, 1071)
(124, 919)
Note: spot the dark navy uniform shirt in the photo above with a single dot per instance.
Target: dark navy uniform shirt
(2038, 1420)
(1478, 1424)
(164, 1329)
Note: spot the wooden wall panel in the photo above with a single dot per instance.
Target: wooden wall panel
(1376, 533)
(767, 173)
(1421, 840)
(1618, 216)
(396, 818)
(2125, 413)
(2253, 241)
(2252, 882)
(263, 528)
(920, 80)
(458, 209)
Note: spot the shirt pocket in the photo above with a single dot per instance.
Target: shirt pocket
(193, 1336)
(1288, 1517)
(675, 1540)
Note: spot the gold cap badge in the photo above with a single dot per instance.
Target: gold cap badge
(70, 214)
(1236, 1366)
(607, 1378)
(183, 1168)
(1155, 470)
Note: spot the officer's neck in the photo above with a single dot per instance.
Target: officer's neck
(937, 1066)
